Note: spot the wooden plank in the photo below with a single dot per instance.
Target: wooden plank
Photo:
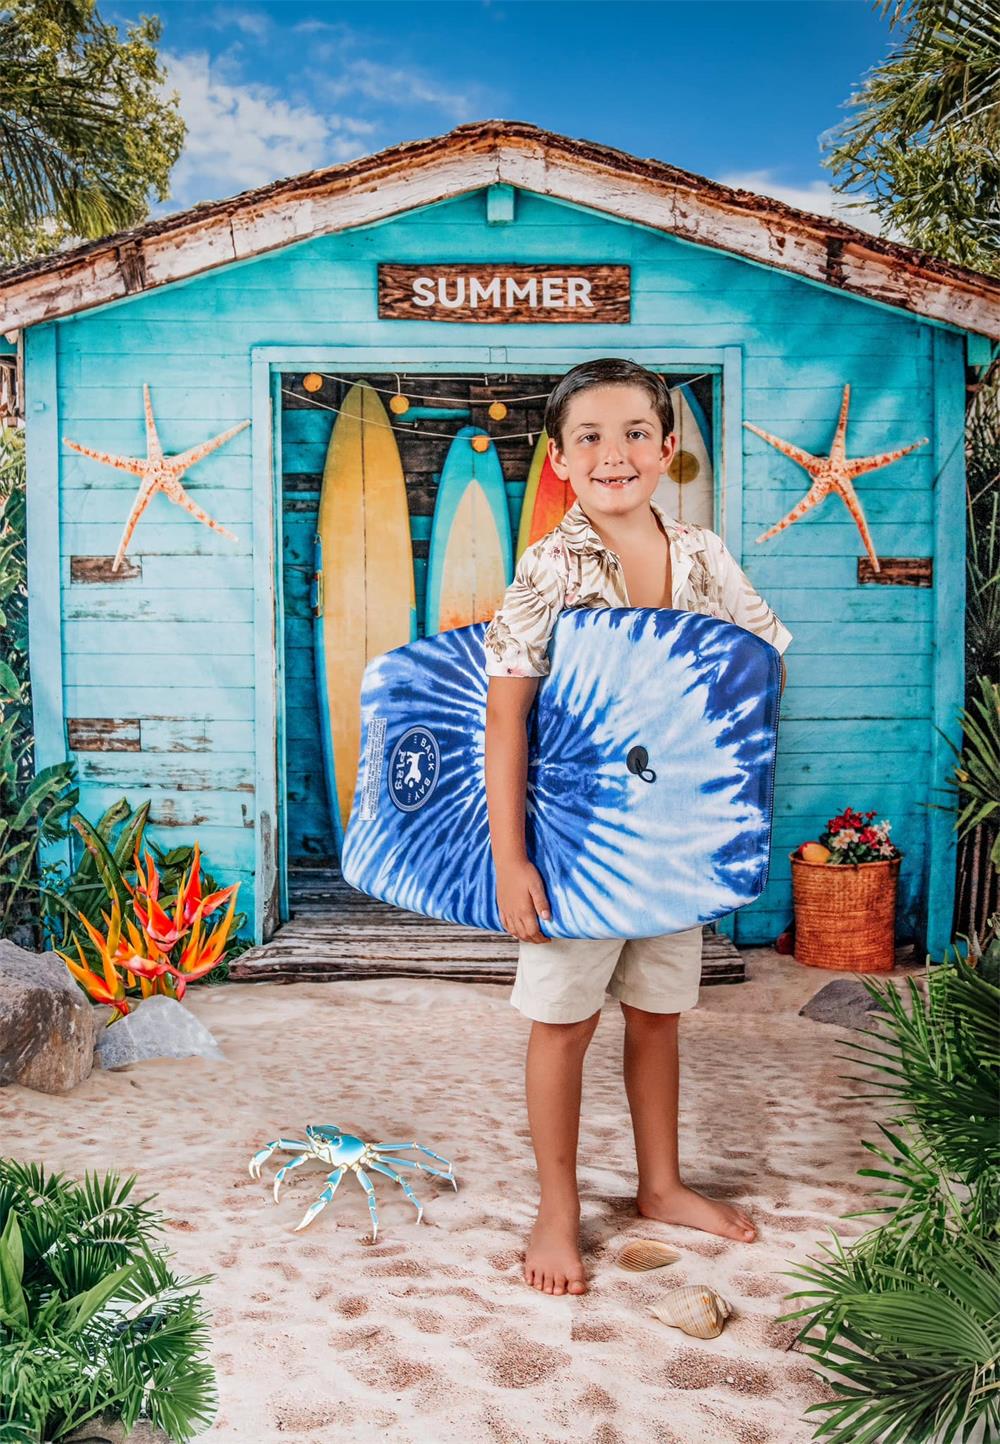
(949, 606)
(269, 679)
(45, 655)
(194, 734)
(897, 572)
(84, 570)
(338, 932)
(103, 734)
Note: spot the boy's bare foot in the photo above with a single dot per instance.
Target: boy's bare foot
(684, 1205)
(552, 1261)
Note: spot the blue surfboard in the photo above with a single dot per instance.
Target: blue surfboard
(470, 561)
(650, 776)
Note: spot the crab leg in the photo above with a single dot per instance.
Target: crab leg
(392, 1147)
(425, 1168)
(396, 1178)
(287, 1168)
(290, 1145)
(332, 1182)
(366, 1184)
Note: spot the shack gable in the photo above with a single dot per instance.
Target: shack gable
(502, 155)
(173, 675)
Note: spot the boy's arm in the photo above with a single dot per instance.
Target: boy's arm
(746, 607)
(520, 891)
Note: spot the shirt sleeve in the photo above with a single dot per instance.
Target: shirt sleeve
(745, 606)
(517, 639)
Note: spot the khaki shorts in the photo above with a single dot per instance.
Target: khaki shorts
(565, 979)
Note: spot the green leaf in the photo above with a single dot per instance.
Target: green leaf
(13, 1305)
(79, 1310)
(108, 870)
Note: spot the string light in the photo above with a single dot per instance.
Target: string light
(395, 406)
(461, 400)
(442, 435)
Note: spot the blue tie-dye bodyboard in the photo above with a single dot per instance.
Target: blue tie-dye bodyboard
(650, 776)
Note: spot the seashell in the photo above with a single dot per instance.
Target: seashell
(695, 1308)
(646, 1253)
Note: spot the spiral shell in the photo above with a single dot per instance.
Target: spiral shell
(695, 1308)
(646, 1253)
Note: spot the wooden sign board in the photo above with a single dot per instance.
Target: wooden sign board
(897, 572)
(492, 293)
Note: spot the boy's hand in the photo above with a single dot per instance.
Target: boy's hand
(522, 900)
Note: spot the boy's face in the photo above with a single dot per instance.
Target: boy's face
(613, 452)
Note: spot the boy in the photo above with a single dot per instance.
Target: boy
(610, 426)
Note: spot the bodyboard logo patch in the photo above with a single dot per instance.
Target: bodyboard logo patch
(413, 769)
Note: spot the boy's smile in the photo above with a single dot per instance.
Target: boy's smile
(613, 452)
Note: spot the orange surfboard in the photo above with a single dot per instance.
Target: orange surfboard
(546, 498)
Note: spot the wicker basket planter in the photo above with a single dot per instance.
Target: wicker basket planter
(845, 915)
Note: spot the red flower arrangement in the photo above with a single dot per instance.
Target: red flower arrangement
(851, 837)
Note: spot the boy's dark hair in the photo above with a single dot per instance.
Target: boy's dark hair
(608, 371)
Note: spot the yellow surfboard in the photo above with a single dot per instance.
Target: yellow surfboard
(365, 594)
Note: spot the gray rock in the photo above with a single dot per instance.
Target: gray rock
(844, 1002)
(157, 1028)
(47, 1023)
(113, 1432)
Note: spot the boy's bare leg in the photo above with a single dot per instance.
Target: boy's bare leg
(553, 1079)
(652, 1077)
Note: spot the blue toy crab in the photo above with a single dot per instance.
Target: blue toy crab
(329, 1144)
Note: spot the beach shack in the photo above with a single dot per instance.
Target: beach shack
(213, 400)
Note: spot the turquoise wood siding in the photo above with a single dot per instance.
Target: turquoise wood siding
(176, 649)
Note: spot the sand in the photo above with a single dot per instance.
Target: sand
(430, 1334)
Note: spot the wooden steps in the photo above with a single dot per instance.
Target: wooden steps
(336, 932)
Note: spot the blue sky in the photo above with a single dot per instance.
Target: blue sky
(738, 90)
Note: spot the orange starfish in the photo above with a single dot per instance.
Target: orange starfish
(159, 473)
(835, 472)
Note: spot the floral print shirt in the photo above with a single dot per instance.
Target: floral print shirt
(572, 567)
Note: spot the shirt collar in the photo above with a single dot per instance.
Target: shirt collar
(581, 537)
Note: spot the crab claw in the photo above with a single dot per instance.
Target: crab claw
(259, 1159)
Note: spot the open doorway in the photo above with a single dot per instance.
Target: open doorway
(425, 412)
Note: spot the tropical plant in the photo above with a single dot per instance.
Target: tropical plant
(94, 1324)
(977, 900)
(922, 140)
(976, 775)
(33, 809)
(982, 465)
(81, 893)
(905, 1322)
(86, 129)
(145, 946)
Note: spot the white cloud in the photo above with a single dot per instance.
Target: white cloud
(242, 135)
(400, 85)
(255, 23)
(818, 196)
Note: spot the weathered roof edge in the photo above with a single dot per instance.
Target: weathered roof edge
(374, 187)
